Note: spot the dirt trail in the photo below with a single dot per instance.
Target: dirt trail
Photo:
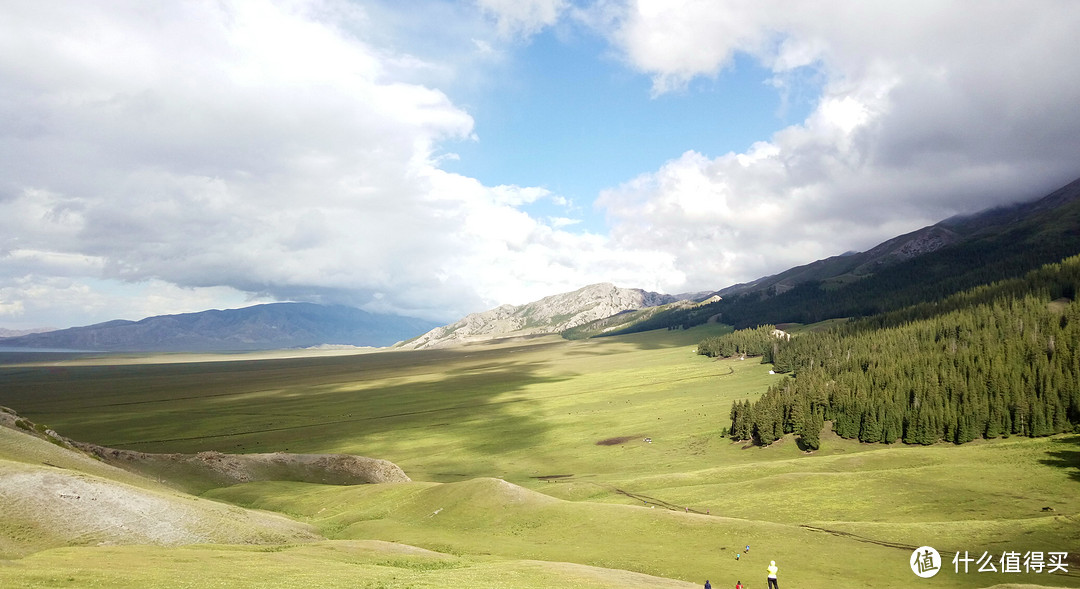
(654, 501)
(946, 556)
(859, 538)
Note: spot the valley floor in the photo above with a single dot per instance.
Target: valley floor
(594, 463)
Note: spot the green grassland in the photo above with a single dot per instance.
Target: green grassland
(516, 411)
(339, 564)
(530, 469)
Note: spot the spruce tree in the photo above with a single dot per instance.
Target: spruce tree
(810, 433)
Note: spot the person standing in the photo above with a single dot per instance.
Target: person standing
(772, 575)
(707, 584)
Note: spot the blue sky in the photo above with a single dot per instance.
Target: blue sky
(441, 157)
(565, 114)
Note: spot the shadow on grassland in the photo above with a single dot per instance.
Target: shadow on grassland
(481, 408)
(1068, 457)
(659, 339)
(295, 405)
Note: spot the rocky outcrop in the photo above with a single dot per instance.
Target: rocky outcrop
(552, 314)
(903, 248)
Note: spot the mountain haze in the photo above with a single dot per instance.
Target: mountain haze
(553, 314)
(18, 332)
(922, 266)
(260, 327)
(1023, 226)
(853, 265)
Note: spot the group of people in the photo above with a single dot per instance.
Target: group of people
(771, 576)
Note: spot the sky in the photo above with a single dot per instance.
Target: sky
(435, 158)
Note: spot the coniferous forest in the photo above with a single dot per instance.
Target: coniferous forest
(999, 360)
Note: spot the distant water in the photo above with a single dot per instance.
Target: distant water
(14, 355)
(17, 350)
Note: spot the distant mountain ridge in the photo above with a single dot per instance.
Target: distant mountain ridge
(853, 265)
(553, 314)
(954, 254)
(17, 332)
(925, 265)
(983, 226)
(259, 327)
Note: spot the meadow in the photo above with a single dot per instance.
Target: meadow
(544, 463)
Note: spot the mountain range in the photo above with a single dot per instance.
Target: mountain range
(923, 265)
(17, 332)
(1049, 224)
(259, 327)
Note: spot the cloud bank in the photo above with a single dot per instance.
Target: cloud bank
(169, 157)
(927, 109)
(255, 150)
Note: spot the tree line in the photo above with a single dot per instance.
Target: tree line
(998, 360)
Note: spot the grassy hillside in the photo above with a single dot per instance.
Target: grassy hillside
(53, 496)
(491, 516)
(530, 465)
(326, 565)
(73, 521)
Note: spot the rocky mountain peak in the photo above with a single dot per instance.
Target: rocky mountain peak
(552, 314)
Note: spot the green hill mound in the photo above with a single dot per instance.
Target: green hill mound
(496, 518)
(52, 496)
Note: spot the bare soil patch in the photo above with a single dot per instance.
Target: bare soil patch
(196, 473)
(44, 508)
(207, 470)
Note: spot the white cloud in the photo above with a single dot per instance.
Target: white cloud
(523, 17)
(507, 256)
(247, 151)
(483, 47)
(64, 302)
(214, 153)
(516, 195)
(926, 110)
(677, 40)
(560, 222)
